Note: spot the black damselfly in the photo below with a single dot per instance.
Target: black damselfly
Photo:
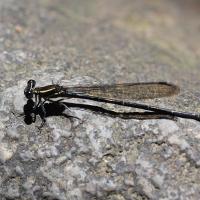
(119, 94)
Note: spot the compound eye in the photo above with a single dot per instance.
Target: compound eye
(31, 83)
(28, 93)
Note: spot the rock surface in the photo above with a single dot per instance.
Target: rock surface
(88, 152)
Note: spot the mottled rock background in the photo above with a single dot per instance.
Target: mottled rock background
(101, 155)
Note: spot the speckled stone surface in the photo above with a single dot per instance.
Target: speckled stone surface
(88, 152)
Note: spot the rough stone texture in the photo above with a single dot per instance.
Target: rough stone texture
(88, 152)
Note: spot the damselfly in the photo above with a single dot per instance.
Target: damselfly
(119, 94)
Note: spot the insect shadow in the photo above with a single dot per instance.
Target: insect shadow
(58, 109)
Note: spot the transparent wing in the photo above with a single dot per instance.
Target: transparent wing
(132, 91)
